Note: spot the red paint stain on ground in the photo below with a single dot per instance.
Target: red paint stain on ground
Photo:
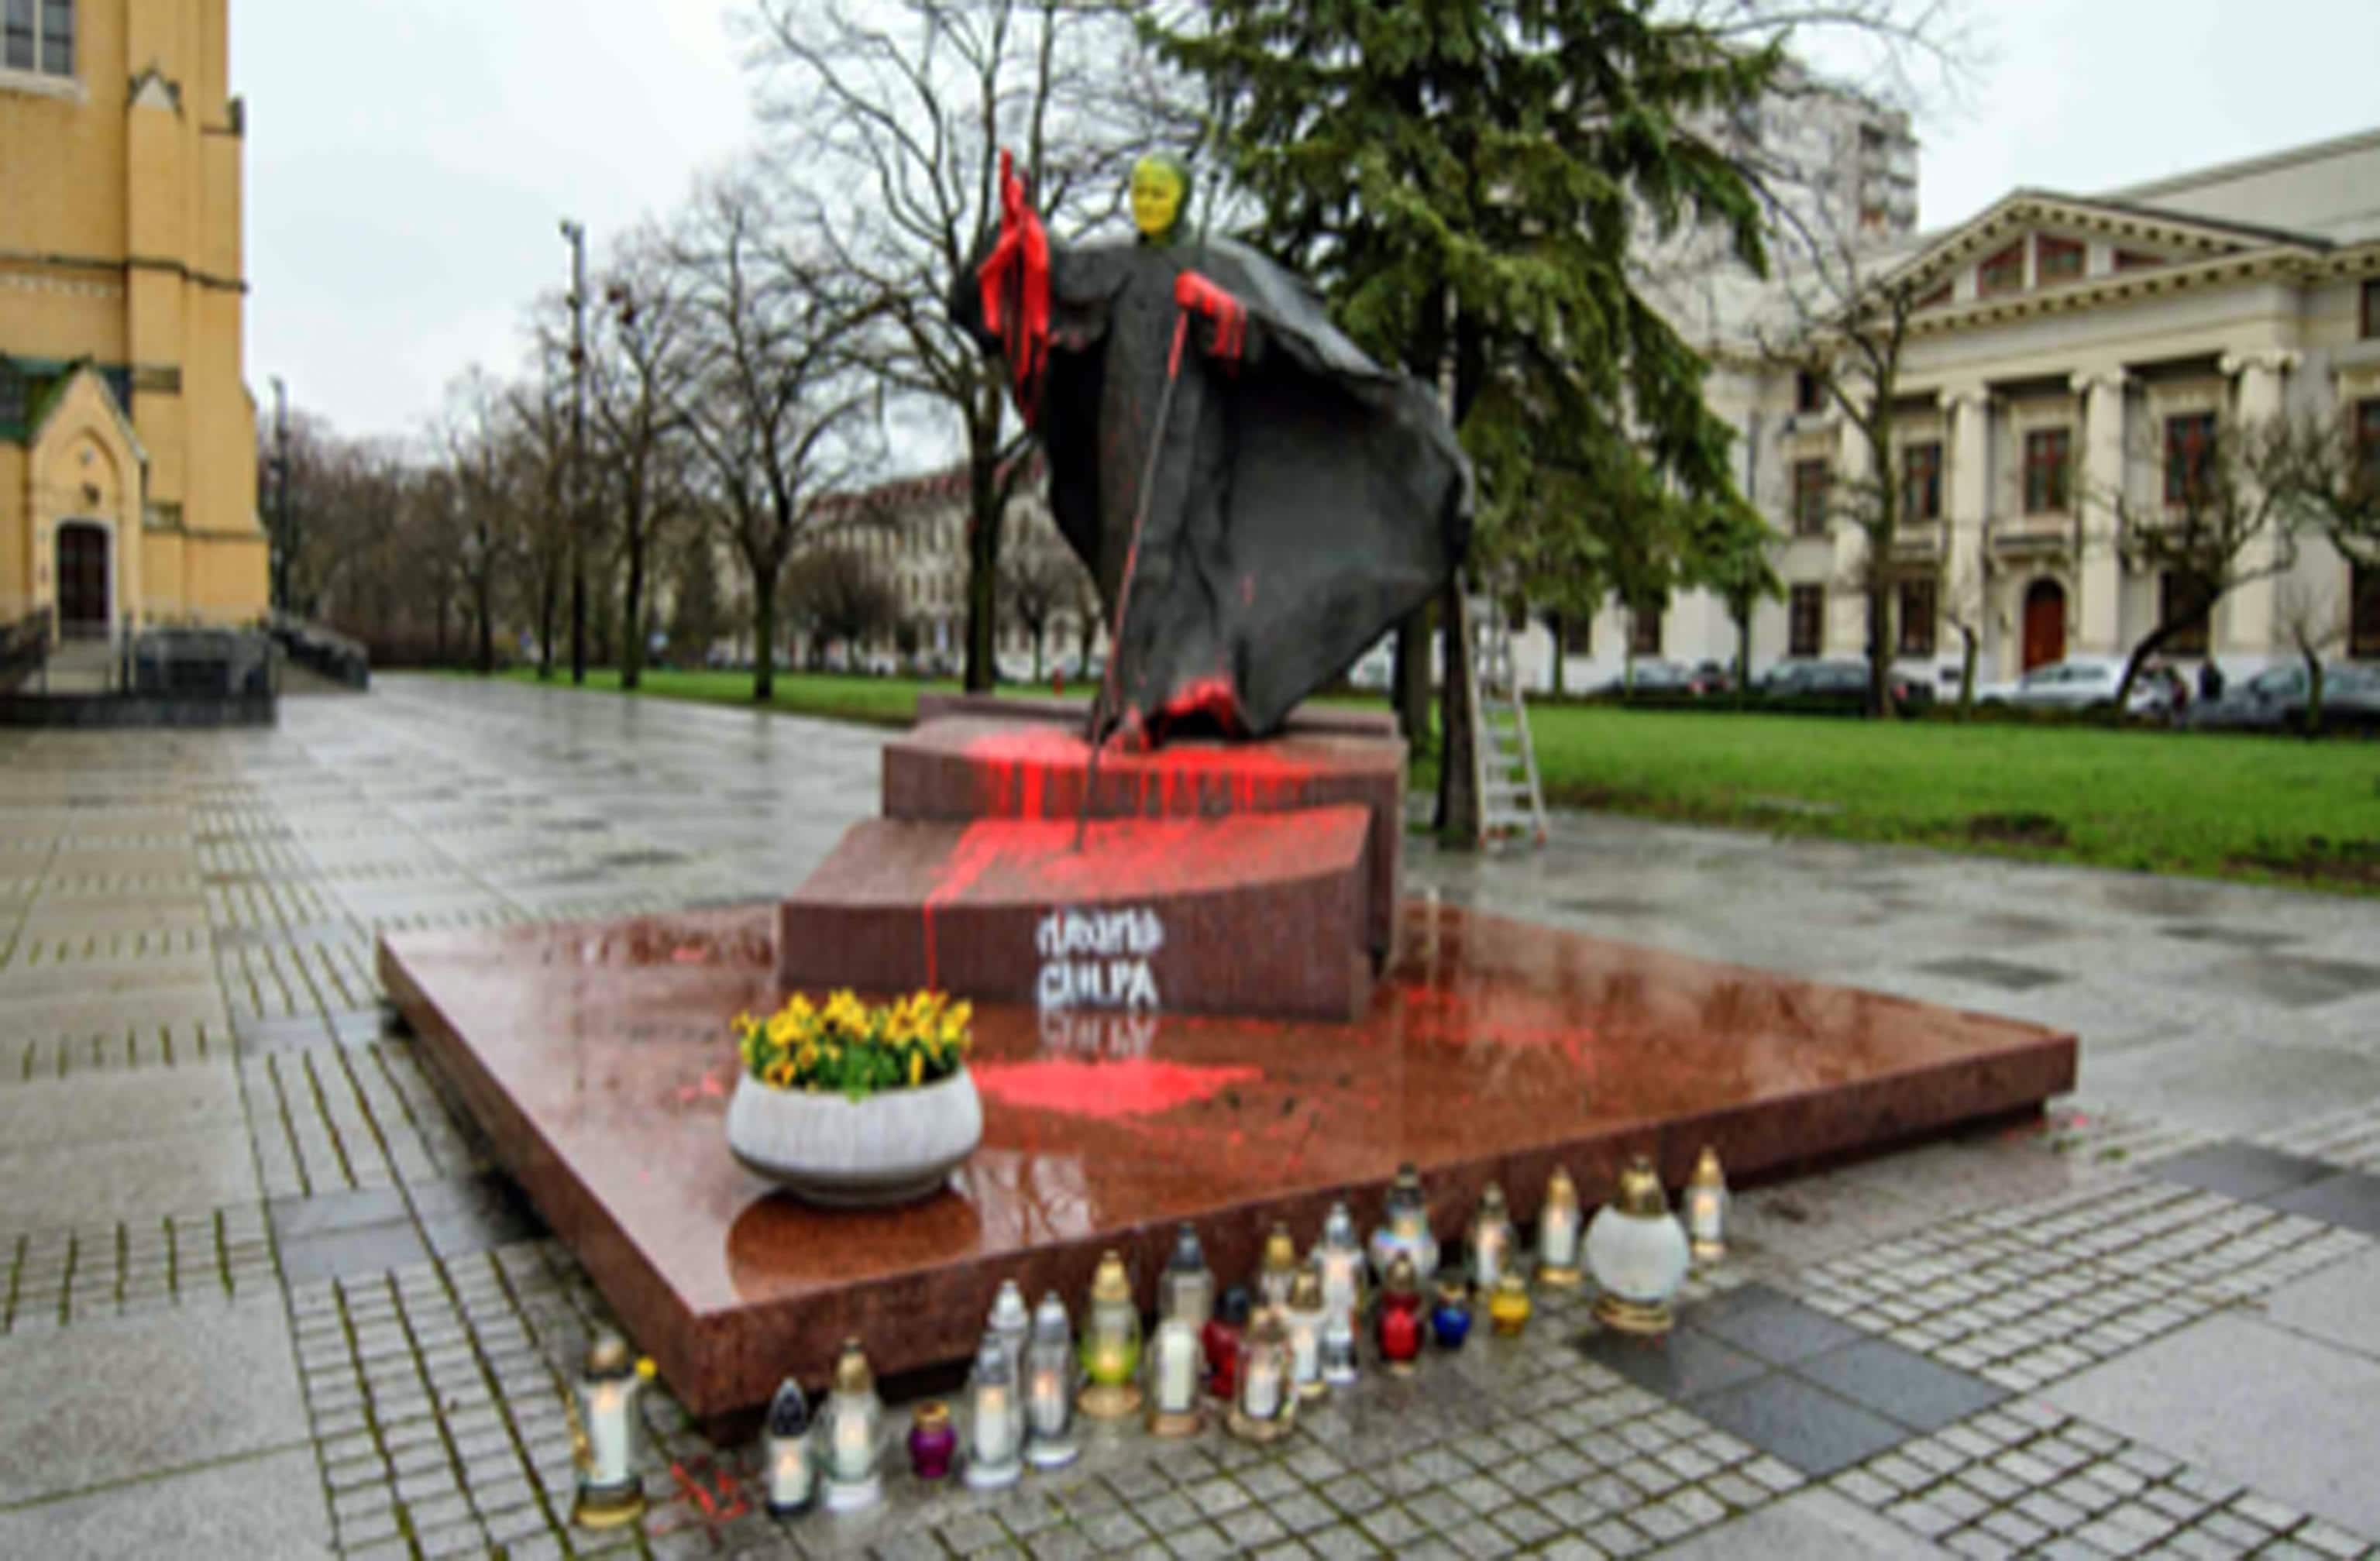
(1131, 1087)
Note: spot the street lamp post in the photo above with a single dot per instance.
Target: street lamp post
(576, 235)
(285, 543)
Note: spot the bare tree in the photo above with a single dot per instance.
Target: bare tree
(895, 112)
(539, 412)
(1037, 582)
(777, 409)
(839, 596)
(2215, 524)
(472, 441)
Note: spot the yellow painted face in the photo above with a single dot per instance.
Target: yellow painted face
(1155, 198)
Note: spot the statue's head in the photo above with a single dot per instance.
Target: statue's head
(1160, 188)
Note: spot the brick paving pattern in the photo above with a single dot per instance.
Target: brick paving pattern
(208, 1130)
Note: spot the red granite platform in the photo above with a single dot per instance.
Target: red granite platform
(1242, 914)
(595, 1057)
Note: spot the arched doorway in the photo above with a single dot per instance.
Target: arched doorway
(82, 580)
(2045, 624)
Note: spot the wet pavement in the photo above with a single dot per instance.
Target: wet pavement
(265, 1296)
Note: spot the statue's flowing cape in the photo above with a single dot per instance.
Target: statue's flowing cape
(1305, 498)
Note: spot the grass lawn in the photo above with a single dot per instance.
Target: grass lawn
(2256, 808)
(2272, 809)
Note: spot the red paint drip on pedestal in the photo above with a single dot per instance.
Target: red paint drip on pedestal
(1129, 1087)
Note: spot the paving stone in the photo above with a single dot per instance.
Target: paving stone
(1812, 1431)
(269, 1503)
(2238, 1170)
(1684, 1363)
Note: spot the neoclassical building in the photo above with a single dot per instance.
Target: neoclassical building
(2066, 349)
(128, 437)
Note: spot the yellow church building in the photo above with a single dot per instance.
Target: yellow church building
(128, 437)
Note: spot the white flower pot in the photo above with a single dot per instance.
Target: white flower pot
(892, 1147)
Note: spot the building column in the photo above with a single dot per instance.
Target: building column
(2246, 617)
(1846, 632)
(1966, 568)
(2099, 568)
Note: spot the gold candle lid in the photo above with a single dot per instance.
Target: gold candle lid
(1305, 1291)
(1450, 1292)
(1561, 1192)
(1402, 1277)
(851, 1373)
(1707, 1170)
(1640, 1190)
(1279, 1249)
(932, 1415)
(1110, 1283)
(1511, 1284)
(1492, 1202)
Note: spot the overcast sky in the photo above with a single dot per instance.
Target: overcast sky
(408, 160)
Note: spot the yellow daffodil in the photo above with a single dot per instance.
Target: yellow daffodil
(916, 1068)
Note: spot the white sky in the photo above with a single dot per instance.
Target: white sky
(408, 160)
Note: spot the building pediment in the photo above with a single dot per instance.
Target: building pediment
(153, 89)
(82, 397)
(2132, 237)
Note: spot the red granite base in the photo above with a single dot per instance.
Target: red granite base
(595, 1057)
(1244, 913)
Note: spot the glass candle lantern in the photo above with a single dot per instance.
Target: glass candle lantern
(1012, 1325)
(1304, 1318)
(1173, 1362)
(1508, 1305)
(1706, 1202)
(792, 1482)
(1636, 1254)
(1050, 1369)
(1404, 1227)
(1490, 1239)
(1266, 1406)
(1187, 1288)
(1559, 1224)
(994, 1452)
(1338, 1258)
(1449, 1320)
(1221, 1339)
(932, 1441)
(1400, 1322)
(851, 1427)
(1110, 1348)
(604, 1403)
(1278, 1271)
(1339, 1365)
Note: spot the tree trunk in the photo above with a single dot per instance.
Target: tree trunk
(983, 549)
(1969, 645)
(487, 626)
(1879, 649)
(1554, 627)
(632, 610)
(764, 641)
(2313, 691)
(1461, 821)
(1742, 657)
(549, 601)
(1409, 682)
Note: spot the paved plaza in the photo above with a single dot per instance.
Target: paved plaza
(266, 1296)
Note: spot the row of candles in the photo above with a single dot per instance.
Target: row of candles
(1256, 1356)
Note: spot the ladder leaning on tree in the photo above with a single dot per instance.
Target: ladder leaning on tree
(1511, 803)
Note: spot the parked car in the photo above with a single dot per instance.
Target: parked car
(1834, 686)
(2275, 700)
(1714, 677)
(2082, 682)
(1652, 675)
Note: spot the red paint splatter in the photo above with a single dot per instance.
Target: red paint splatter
(977, 852)
(1128, 1087)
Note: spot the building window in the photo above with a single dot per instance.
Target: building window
(1917, 617)
(1807, 392)
(1940, 296)
(1578, 634)
(2133, 260)
(2045, 454)
(1805, 618)
(2189, 452)
(2179, 596)
(2364, 615)
(1644, 631)
(2004, 273)
(2367, 442)
(38, 36)
(2371, 325)
(12, 397)
(1809, 482)
(2056, 260)
(1921, 480)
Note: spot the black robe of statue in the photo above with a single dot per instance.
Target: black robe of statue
(1305, 498)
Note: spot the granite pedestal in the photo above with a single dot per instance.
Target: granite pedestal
(596, 1058)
